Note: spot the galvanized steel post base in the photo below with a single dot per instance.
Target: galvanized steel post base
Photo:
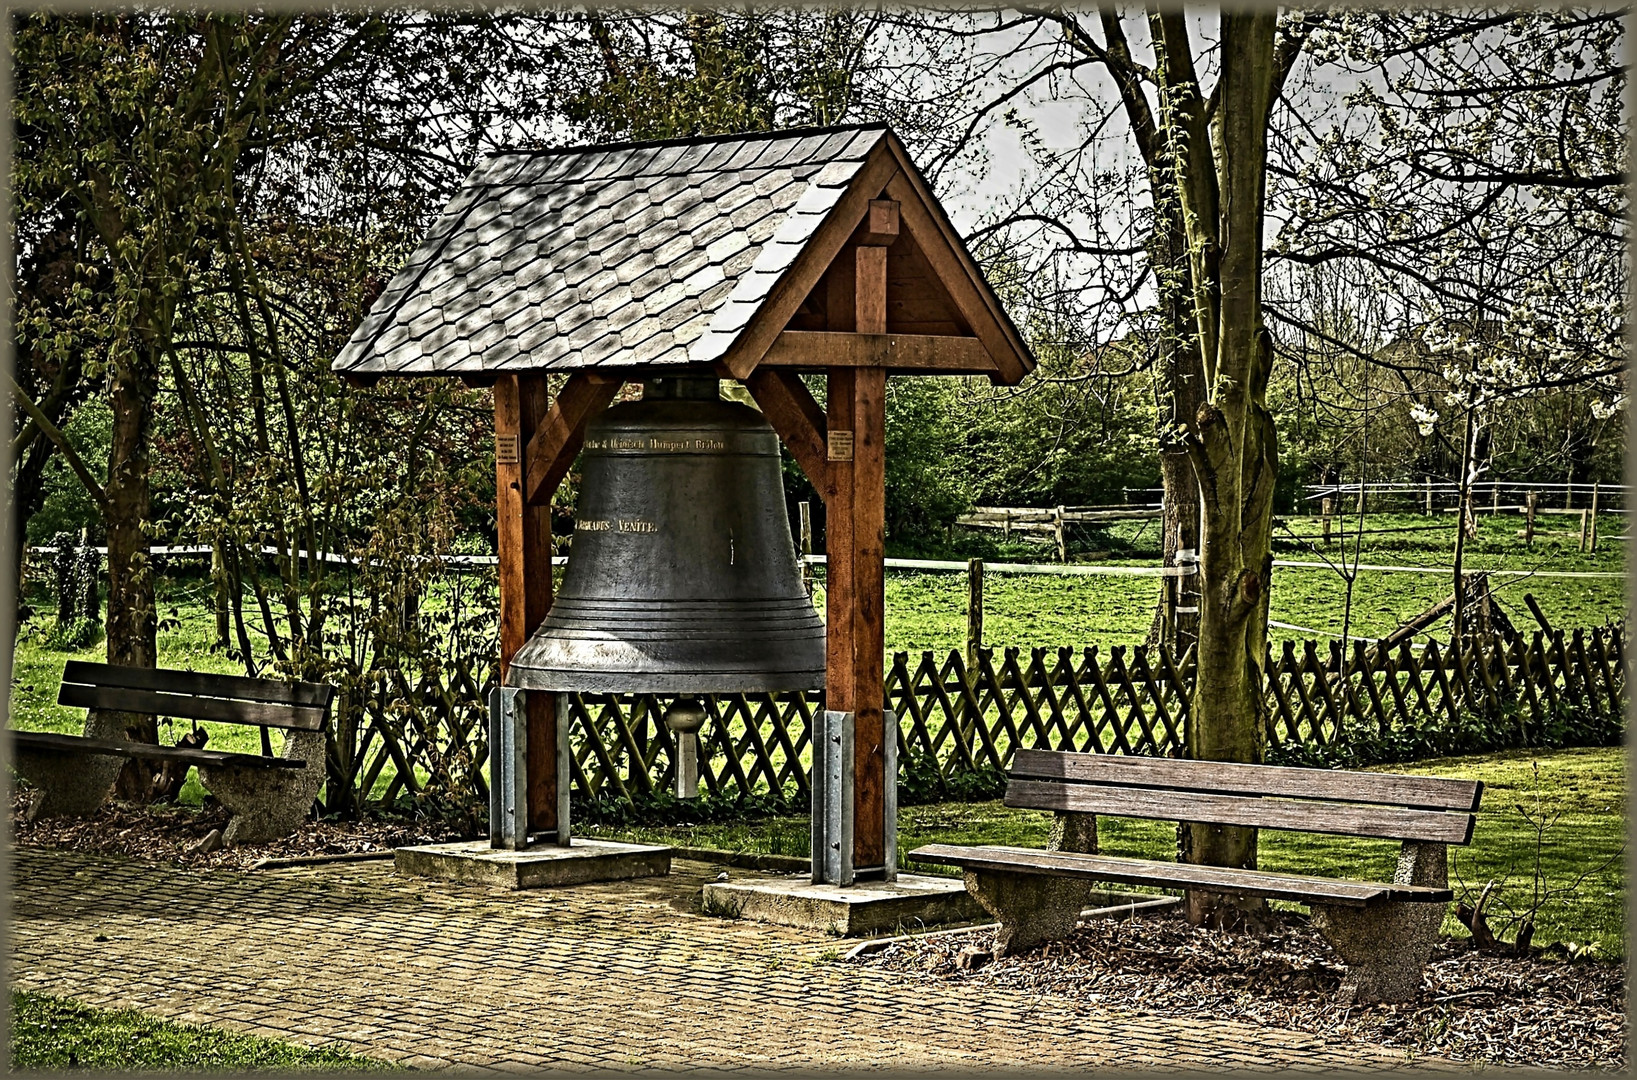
(509, 770)
(832, 787)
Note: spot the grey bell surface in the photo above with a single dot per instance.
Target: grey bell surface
(682, 577)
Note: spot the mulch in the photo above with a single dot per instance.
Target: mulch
(1541, 1011)
(170, 834)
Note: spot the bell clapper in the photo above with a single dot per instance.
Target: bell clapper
(685, 716)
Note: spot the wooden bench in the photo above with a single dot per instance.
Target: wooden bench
(268, 795)
(1384, 930)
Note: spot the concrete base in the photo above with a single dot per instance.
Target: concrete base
(539, 866)
(912, 901)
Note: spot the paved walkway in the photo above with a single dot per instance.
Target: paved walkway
(621, 975)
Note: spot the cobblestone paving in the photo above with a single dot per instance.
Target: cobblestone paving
(622, 975)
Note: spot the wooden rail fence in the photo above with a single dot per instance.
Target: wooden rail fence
(428, 733)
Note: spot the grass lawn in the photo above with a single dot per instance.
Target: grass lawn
(1578, 794)
(55, 1033)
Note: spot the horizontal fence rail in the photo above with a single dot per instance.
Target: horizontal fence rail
(425, 735)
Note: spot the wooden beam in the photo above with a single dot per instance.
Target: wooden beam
(534, 408)
(869, 615)
(870, 285)
(880, 223)
(797, 418)
(931, 353)
(509, 513)
(361, 380)
(944, 255)
(790, 290)
(551, 449)
(838, 543)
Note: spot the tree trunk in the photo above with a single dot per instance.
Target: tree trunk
(132, 622)
(1233, 448)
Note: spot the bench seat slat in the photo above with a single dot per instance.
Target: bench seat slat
(190, 707)
(1228, 778)
(1297, 887)
(304, 694)
(48, 740)
(1319, 817)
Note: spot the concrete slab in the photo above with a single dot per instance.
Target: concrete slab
(914, 900)
(539, 866)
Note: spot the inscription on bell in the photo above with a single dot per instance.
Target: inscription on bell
(657, 443)
(624, 525)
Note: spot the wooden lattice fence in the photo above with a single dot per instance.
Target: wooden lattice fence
(430, 733)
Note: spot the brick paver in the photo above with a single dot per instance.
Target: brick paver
(621, 975)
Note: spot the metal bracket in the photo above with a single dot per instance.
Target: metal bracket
(508, 770)
(832, 786)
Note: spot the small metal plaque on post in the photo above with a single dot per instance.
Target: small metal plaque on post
(840, 446)
(506, 449)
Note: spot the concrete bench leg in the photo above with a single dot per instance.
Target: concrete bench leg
(267, 804)
(1032, 909)
(66, 784)
(1387, 947)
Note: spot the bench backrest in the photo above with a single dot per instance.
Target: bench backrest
(192, 695)
(1385, 805)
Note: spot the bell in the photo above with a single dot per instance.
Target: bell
(682, 576)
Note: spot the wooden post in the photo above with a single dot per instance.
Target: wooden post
(523, 543)
(1585, 529)
(974, 611)
(1061, 535)
(1429, 495)
(804, 514)
(1326, 507)
(1530, 498)
(1359, 509)
(1592, 545)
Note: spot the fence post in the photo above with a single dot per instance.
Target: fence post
(1494, 499)
(804, 514)
(974, 612)
(1326, 506)
(1062, 535)
(1593, 515)
(1429, 494)
(1585, 527)
(1359, 509)
(1529, 501)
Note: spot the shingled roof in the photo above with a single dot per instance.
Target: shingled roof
(654, 255)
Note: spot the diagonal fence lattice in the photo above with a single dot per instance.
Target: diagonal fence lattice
(427, 734)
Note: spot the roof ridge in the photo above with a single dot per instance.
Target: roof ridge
(691, 140)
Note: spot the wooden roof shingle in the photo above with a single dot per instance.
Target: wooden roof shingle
(644, 255)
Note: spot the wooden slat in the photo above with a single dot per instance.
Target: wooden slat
(1302, 888)
(313, 695)
(1229, 778)
(76, 744)
(190, 707)
(1307, 816)
(816, 349)
(557, 438)
(510, 504)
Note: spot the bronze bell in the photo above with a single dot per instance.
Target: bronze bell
(682, 576)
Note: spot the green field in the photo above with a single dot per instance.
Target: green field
(927, 609)
(1581, 793)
